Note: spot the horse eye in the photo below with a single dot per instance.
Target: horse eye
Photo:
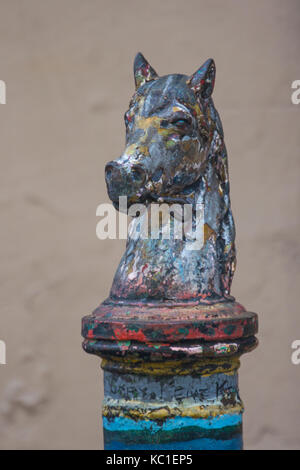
(181, 122)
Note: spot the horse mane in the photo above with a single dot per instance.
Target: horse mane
(217, 163)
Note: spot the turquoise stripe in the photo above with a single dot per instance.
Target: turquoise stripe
(235, 443)
(217, 422)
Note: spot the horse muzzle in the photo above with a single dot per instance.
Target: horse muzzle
(125, 180)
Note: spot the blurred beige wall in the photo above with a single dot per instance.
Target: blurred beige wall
(67, 65)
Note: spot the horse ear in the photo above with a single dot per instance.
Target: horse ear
(202, 82)
(143, 72)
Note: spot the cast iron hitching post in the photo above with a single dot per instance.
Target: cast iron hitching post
(170, 335)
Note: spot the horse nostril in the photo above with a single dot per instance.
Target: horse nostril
(108, 171)
(138, 174)
(112, 171)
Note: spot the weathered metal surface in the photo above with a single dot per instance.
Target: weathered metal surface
(175, 153)
(172, 404)
(163, 351)
(159, 324)
(173, 411)
(170, 335)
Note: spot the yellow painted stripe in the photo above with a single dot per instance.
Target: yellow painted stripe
(139, 411)
(205, 367)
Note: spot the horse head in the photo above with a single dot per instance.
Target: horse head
(175, 153)
(169, 132)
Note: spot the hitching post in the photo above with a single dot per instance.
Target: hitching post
(170, 335)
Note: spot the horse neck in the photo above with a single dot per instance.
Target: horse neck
(169, 268)
(210, 195)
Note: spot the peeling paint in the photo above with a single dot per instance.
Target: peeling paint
(170, 335)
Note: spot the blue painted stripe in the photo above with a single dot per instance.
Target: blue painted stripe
(235, 443)
(218, 422)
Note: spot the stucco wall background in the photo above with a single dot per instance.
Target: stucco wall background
(67, 65)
